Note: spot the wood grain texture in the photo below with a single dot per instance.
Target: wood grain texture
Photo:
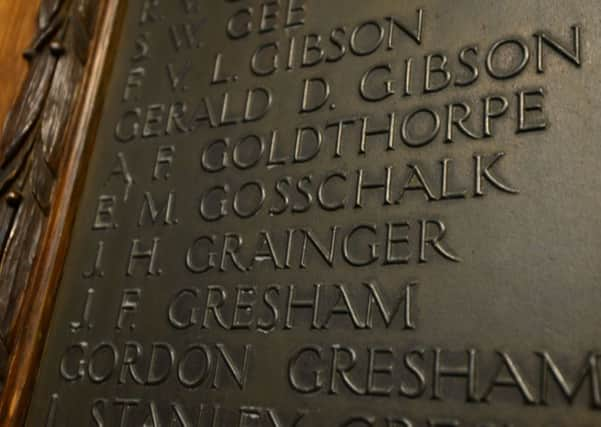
(17, 28)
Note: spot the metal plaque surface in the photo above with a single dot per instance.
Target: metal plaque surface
(338, 213)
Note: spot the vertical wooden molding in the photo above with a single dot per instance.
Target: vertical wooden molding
(43, 151)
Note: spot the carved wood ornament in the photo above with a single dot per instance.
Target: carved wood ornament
(42, 153)
(33, 146)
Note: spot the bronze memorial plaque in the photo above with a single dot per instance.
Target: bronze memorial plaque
(306, 213)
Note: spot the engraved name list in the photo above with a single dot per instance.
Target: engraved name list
(304, 213)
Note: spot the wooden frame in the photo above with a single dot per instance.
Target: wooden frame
(63, 37)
